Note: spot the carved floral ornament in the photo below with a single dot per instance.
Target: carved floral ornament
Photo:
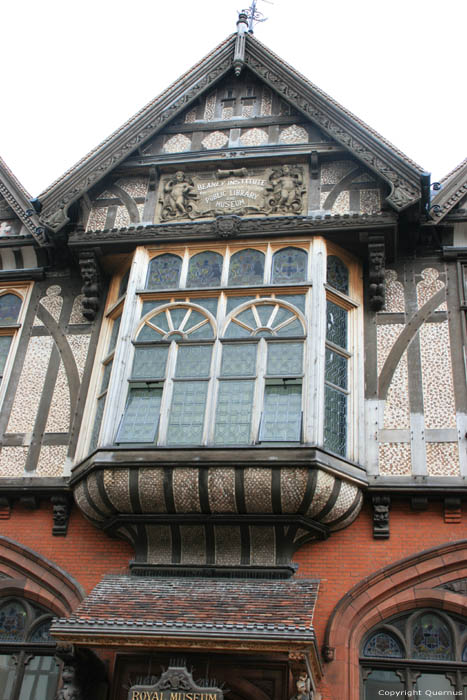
(273, 191)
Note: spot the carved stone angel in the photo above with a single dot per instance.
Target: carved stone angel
(178, 197)
(286, 190)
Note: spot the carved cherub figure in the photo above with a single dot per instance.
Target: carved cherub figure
(69, 689)
(303, 685)
(286, 189)
(179, 195)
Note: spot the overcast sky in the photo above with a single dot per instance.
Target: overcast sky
(73, 72)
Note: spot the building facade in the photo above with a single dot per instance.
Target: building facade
(233, 427)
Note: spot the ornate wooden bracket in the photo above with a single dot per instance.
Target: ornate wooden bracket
(83, 674)
(381, 506)
(376, 259)
(91, 289)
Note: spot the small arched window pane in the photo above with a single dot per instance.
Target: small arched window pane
(246, 267)
(205, 270)
(464, 654)
(289, 265)
(164, 272)
(42, 633)
(10, 306)
(12, 622)
(431, 639)
(337, 274)
(383, 645)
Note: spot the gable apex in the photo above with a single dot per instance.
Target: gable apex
(399, 172)
(15, 203)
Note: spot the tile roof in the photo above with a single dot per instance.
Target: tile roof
(453, 190)
(194, 607)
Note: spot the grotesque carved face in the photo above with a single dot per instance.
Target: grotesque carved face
(179, 176)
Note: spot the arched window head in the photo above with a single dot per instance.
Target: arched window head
(176, 322)
(205, 270)
(164, 272)
(337, 274)
(384, 645)
(431, 638)
(289, 265)
(265, 319)
(246, 267)
(10, 306)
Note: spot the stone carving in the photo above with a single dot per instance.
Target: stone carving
(177, 678)
(286, 190)
(61, 515)
(70, 689)
(92, 283)
(376, 254)
(303, 685)
(227, 226)
(178, 197)
(381, 505)
(458, 586)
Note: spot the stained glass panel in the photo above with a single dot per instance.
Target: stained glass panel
(383, 644)
(282, 413)
(187, 413)
(193, 361)
(431, 639)
(285, 359)
(337, 274)
(42, 633)
(233, 415)
(5, 342)
(12, 622)
(141, 416)
(238, 360)
(150, 362)
(164, 272)
(205, 270)
(335, 421)
(289, 265)
(336, 324)
(124, 283)
(246, 267)
(336, 369)
(10, 306)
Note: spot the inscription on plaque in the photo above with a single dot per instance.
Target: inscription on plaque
(175, 684)
(242, 191)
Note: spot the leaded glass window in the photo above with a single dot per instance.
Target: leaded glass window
(282, 415)
(141, 416)
(10, 306)
(422, 653)
(234, 412)
(5, 344)
(263, 319)
(205, 270)
(186, 418)
(246, 267)
(337, 274)
(289, 265)
(336, 379)
(28, 669)
(176, 322)
(164, 272)
(384, 645)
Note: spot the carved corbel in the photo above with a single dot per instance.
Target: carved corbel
(91, 289)
(61, 515)
(5, 509)
(381, 506)
(376, 259)
(227, 226)
(328, 653)
(452, 510)
(83, 674)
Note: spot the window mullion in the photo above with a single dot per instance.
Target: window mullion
(167, 394)
(315, 354)
(258, 400)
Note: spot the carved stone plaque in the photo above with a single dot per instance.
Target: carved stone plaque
(242, 191)
(175, 684)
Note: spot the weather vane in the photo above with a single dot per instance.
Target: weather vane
(253, 15)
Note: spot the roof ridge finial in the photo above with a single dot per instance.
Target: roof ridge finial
(239, 54)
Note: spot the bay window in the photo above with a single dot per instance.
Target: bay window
(202, 362)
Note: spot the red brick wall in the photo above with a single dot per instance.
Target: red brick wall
(350, 555)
